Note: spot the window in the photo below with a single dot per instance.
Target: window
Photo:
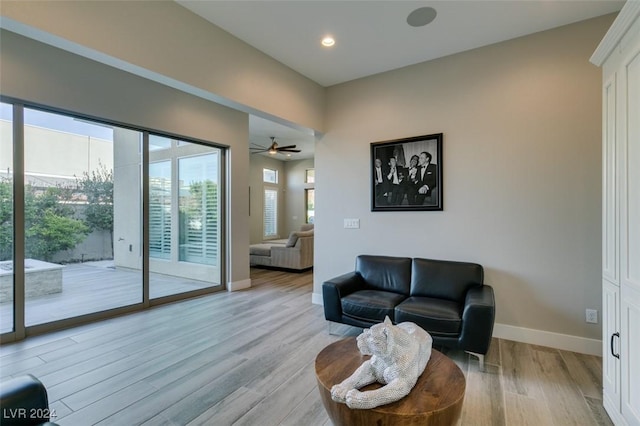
(310, 176)
(270, 213)
(269, 176)
(309, 201)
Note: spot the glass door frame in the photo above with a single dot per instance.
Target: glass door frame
(20, 331)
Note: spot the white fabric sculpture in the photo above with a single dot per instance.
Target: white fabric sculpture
(400, 355)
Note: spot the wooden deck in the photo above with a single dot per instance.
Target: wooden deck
(94, 287)
(247, 358)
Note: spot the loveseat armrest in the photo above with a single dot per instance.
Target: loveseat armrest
(477, 319)
(24, 401)
(335, 289)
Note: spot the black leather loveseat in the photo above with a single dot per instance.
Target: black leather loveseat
(448, 299)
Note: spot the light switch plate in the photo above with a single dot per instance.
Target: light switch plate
(352, 223)
(591, 316)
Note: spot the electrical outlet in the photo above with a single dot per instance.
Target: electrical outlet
(591, 315)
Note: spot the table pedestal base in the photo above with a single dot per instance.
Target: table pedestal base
(436, 399)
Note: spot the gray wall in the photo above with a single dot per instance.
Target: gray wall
(522, 192)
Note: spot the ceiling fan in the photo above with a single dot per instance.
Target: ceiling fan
(274, 148)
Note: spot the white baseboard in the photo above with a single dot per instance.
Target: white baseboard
(239, 285)
(547, 338)
(316, 299)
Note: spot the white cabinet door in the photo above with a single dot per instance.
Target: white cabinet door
(630, 355)
(629, 172)
(610, 348)
(630, 241)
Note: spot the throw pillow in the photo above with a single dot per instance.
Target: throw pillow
(293, 239)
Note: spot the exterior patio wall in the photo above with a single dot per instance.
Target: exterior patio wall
(96, 246)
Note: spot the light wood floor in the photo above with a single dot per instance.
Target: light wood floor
(247, 358)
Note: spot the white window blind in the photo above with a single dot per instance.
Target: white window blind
(160, 210)
(199, 209)
(270, 213)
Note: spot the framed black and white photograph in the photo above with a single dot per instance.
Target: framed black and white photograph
(406, 174)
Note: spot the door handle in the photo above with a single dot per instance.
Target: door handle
(611, 344)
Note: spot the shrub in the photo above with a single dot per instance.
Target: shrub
(49, 223)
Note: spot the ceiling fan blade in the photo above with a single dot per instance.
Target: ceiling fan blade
(273, 148)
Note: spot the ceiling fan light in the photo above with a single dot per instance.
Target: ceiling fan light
(272, 151)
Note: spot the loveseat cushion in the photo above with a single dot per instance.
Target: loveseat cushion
(260, 249)
(385, 273)
(443, 279)
(370, 305)
(437, 316)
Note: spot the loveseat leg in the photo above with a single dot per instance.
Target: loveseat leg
(330, 333)
(480, 360)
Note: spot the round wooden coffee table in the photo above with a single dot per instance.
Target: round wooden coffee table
(436, 399)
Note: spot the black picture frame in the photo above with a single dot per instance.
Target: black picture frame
(409, 188)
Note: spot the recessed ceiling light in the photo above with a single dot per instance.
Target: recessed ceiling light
(328, 41)
(421, 16)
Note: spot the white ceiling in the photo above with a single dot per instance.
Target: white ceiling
(373, 36)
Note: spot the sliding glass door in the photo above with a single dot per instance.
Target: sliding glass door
(82, 222)
(184, 216)
(97, 219)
